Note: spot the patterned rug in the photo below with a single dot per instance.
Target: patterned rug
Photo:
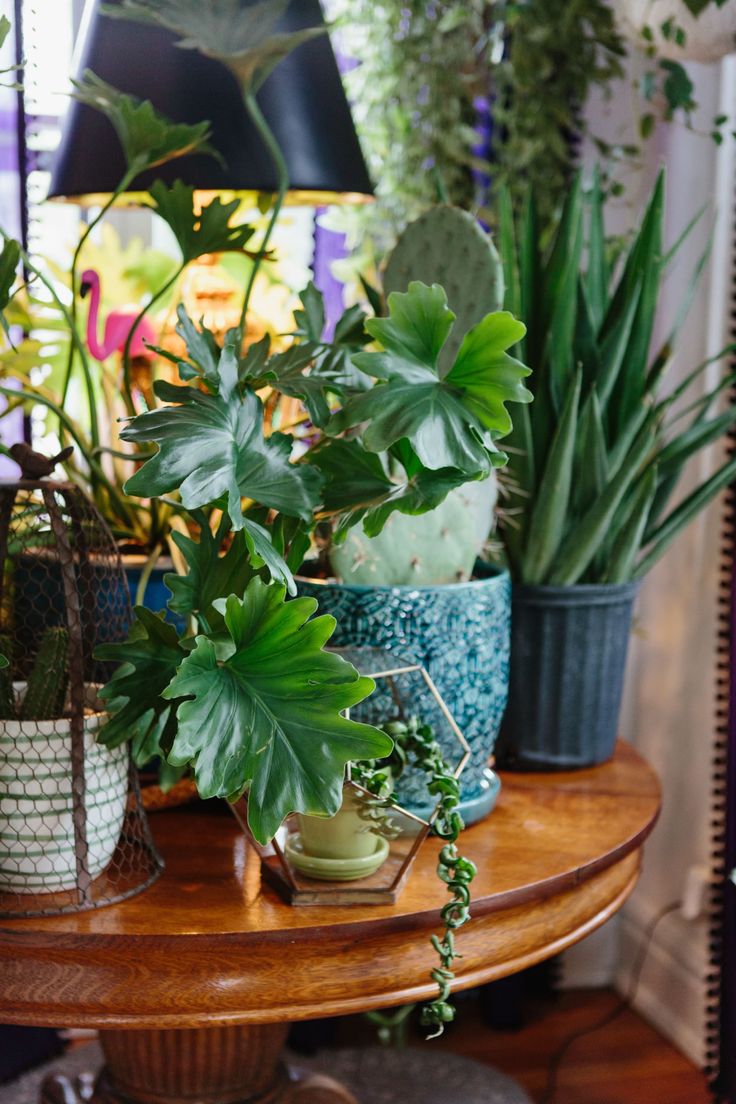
(375, 1076)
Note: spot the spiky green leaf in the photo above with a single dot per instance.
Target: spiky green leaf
(149, 659)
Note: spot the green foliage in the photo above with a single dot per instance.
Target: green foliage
(5, 28)
(148, 660)
(211, 445)
(446, 246)
(420, 65)
(597, 456)
(263, 710)
(415, 746)
(210, 575)
(242, 35)
(450, 422)
(358, 486)
(198, 231)
(556, 52)
(147, 138)
(9, 259)
(49, 678)
(285, 372)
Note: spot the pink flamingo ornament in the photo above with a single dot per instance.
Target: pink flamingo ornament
(117, 326)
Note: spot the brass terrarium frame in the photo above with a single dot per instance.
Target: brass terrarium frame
(385, 885)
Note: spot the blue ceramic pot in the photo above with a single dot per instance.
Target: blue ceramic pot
(157, 593)
(460, 632)
(568, 659)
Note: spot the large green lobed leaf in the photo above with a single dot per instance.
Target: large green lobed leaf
(451, 422)
(213, 446)
(243, 36)
(269, 718)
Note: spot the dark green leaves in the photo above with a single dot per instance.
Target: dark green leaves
(358, 488)
(213, 446)
(594, 459)
(239, 34)
(9, 259)
(149, 660)
(210, 575)
(198, 231)
(269, 717)
(147, 137)
(451, 422)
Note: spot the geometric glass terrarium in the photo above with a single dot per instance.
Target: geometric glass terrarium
(364, 854)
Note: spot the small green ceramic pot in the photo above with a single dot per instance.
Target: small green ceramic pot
(337, 849)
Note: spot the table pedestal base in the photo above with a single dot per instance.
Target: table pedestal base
(244, 1066)
(221, 1065)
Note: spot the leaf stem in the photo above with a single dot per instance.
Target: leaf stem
(94, 427)
(127, 390)
(282, 177)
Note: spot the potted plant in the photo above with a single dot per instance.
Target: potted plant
(113, 377)
(36, 813)
(416, 588)
(594, 463)
(246, 696)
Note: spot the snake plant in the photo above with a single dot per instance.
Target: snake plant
(596, 459)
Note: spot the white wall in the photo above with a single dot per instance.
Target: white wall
(669, 709)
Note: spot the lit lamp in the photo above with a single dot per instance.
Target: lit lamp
(303, 101)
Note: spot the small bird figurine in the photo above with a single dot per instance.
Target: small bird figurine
(34, 465)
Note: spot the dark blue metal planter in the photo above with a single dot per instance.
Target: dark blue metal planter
(460, 632)
(568, 658)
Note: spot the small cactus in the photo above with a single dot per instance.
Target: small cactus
(446, 246)
(49, 678)
(422, 550)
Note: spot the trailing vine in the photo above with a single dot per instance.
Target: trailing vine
(415, 746)
(415, 69)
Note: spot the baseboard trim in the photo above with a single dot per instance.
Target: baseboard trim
(671, 992)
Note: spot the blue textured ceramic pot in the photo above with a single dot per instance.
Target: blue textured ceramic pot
(460, 632)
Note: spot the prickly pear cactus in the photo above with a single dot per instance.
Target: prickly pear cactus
(428, 549)
(446, 246)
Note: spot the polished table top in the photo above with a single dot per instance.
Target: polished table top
(209, 944)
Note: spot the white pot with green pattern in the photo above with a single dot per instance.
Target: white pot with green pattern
(36, 822)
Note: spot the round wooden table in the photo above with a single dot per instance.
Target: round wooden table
(193, 983)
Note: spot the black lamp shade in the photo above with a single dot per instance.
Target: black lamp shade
(303, 101)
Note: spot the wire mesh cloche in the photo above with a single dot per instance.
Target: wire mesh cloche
(73, 833)
(363, 854)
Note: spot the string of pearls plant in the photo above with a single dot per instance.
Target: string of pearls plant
(415, 746)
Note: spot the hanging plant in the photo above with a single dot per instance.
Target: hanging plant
(680, 30)
(415, 747)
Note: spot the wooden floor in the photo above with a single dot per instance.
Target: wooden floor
(625, 1062)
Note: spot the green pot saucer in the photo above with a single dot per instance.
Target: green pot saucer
(334, 870)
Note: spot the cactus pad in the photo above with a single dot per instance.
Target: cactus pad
(425, 549)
